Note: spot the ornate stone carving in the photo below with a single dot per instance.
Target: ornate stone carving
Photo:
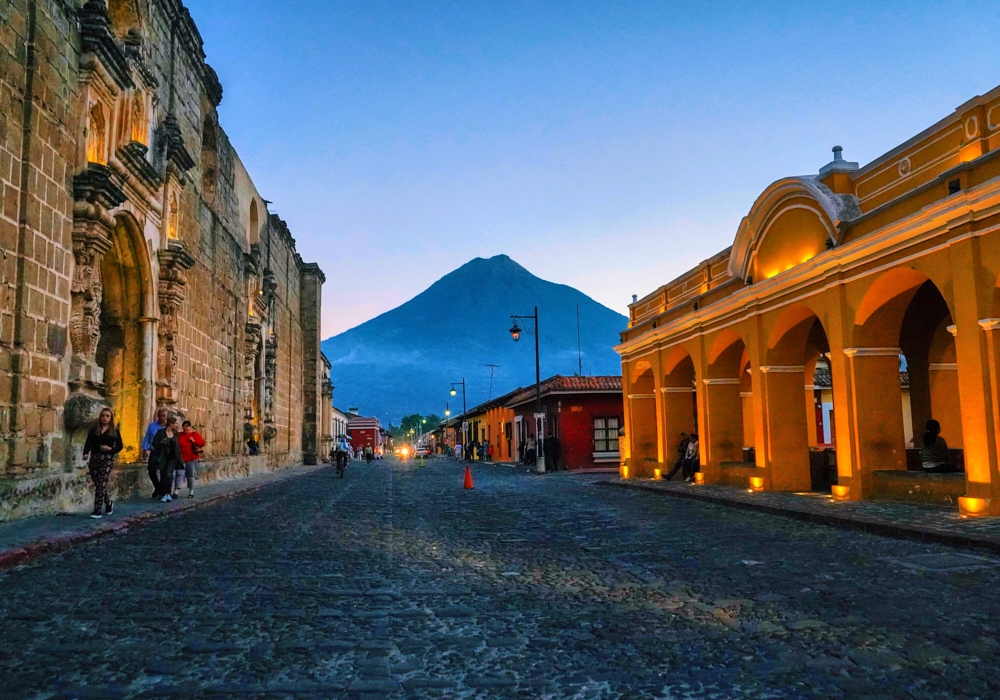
(170, 147)
(97, 39)
(95, 192)
(175, 261)
(270, 377)
(133, 155)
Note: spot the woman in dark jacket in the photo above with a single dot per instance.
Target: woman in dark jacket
(167, 453)
(104, 442)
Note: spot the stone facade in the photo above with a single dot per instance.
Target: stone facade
(140, 266)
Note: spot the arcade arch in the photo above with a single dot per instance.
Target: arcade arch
(678, 400)
(797, 344)
(905, 323)
(642, 415)
(723, 433)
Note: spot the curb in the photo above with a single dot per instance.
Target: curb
(849, 522)
(10, 558)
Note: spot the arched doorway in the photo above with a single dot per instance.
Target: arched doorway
(797, 454)
(905, 320)
(125, 275)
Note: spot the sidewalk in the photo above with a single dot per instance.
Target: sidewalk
(903, 520)
(23, 540)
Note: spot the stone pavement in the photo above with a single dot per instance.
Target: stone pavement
(927, 523)
(26, 539)
(395, 583)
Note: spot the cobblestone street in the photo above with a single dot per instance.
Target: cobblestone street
(394, 582)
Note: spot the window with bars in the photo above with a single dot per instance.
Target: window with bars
(606, 434)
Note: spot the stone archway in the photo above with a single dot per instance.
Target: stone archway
(121, 351)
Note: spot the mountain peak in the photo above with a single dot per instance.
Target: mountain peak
(405, 359)
(498, 263)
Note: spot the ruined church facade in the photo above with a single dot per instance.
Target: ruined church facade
(140, 267)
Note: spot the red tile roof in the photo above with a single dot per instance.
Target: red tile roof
(569, 385)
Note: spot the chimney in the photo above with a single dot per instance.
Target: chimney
(838, 164)
(635, 298)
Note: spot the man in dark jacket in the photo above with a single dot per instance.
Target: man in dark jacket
(551, 451)
(682, 448)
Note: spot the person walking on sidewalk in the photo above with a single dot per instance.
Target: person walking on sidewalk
(104, 442)
(191, 443)
(167, 453)
(152, 466)
(550, 448)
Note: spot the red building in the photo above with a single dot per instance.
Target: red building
(584, 413)
(364, 432)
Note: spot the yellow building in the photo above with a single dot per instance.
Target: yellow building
(867, 271)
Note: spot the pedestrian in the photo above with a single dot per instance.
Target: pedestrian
(935, 456)
(691, 461)
(152, 467)
(681, 456)
(484, 451)
(530, 453)
(343, 449)
(551, 451)
(104, 442)
(191, 444)
(369, 454)
(252, 446)
(489, 452)
(167, 453)
(458, 451)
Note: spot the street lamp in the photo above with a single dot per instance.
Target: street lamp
(515, 334)
(465, 442)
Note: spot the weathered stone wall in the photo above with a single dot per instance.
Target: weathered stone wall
(140, 266)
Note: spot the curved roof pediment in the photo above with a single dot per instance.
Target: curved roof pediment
(805, 192)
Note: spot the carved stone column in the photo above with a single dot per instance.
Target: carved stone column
(175, 261)
(251, 351)
(270, 380)
(95, 192)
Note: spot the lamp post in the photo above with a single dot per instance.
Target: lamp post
(465, 442)
(515, 334)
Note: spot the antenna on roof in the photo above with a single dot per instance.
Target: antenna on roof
(579, 348)
(492, 367)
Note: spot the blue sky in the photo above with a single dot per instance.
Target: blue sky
(608, 146)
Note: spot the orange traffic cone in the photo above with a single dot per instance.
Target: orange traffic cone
(468, 479)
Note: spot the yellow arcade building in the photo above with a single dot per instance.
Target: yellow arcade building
(885, 280)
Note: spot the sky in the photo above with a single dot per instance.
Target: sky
(609, 146)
